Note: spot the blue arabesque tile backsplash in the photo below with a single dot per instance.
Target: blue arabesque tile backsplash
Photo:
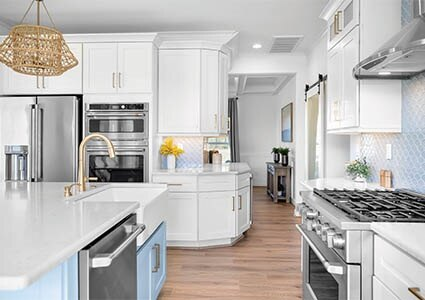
(408, 161)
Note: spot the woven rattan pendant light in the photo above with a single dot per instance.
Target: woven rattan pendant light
(36, 50)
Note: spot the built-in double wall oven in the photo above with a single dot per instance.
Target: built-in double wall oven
(127, 127)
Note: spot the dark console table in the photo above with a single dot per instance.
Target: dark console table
(279, 182)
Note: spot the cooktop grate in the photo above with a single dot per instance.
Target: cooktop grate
(377, 206)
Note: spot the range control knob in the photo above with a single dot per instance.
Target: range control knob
(318, 228)
(299, 209)
(325, 227)
(338, 241)
(329, 235)
(311, 214)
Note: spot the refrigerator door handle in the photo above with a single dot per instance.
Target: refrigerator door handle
(75, 139)
(36, 148)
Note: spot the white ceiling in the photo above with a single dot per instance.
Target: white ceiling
(256, 20)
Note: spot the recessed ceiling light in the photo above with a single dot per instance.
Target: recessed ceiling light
(257, 46)
(384, 73)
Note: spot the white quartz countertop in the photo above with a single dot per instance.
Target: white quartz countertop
(338, 183)
(406, 236)
(208, 169)
(40, 229)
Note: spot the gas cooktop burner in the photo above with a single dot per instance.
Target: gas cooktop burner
(377, 206)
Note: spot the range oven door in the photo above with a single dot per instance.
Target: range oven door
(325, 275)
(130, 164)
(118, 125)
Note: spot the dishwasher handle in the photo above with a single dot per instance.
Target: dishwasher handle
(103, 260)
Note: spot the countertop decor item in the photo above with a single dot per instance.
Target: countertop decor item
(276, 155)
(358, 169)
(385, 178)
(284, 152)
(36, 50)
(171, 151)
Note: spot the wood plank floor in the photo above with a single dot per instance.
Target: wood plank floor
(264, 265)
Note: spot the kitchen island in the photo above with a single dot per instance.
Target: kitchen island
(208, 206)
(42, 232)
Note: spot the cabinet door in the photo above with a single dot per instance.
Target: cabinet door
(244, 210)
(70, 82)
(100, 68)
(210, 92)
(144, 269)
(334, 88)
(381, 292)
(179, 91)
(61, 283)
(135, 67)
(224, 93)
(217, 217)
(182, 221)
(350, 97)
(158, 261)
(15, 83)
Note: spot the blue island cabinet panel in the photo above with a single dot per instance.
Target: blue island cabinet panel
(61, 283)
(152, 265)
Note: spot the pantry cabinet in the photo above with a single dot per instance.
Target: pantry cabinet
(193, 92)
(70, 82)
(118, 68)
(355, 32)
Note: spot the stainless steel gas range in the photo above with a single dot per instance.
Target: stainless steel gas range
(337, 257)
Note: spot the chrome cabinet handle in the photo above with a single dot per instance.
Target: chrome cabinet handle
(105, 259)
(113, 80)
(119, 80)
(44, 85)
(339, 19)
(215, 121)
(38, 82)
(157, 266)
(416, 292)
(240, 202)
(233, 203)
(330, 268)
(228, 123)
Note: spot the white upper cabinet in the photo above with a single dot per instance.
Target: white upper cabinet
(192, 92)
(355, 31)
(69, 82)
(118, 68)
(179, 91)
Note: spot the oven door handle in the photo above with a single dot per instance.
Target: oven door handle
(114, 115)
(336, 269)
(105, 259)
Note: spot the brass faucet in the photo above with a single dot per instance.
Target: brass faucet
(82, 178)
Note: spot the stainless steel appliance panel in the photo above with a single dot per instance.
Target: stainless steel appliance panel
(108, 266)
(56, 137)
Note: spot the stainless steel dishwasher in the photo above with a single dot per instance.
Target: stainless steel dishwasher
(108, 266)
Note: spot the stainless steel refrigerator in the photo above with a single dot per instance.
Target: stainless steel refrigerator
(50, 125)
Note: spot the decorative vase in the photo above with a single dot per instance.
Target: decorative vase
(171, 162)
(276, 157)
(359, 178)
(285, 160)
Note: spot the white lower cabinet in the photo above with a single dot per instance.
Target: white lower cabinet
(207, 210)
(398, 272)
(182, 217)
(381, 292)
(217, 215)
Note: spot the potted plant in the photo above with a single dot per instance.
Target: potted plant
(276, 155)
(285, 157)
(358, 170)
(171, 151)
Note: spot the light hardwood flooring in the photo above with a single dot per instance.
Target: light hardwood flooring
(264, 265)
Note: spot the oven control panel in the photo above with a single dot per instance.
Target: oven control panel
(118, 107)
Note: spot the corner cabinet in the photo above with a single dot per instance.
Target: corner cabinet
(70, 82)
(193, 91)
(152, 265)
(111, 68)
(355, 32)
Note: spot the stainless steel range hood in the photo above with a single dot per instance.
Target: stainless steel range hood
(403, 56)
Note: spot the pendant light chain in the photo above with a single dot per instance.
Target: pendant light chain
(48, 14)
(28, 10)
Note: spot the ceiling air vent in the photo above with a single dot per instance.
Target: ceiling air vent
(285, 44)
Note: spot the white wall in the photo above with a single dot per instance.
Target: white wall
(257, 121)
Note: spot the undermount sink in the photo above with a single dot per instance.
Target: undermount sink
(151, 197)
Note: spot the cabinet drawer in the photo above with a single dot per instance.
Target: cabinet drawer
(397, 270)
(211, 183)
(177, 183)
(381, 292)
(244, 180)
